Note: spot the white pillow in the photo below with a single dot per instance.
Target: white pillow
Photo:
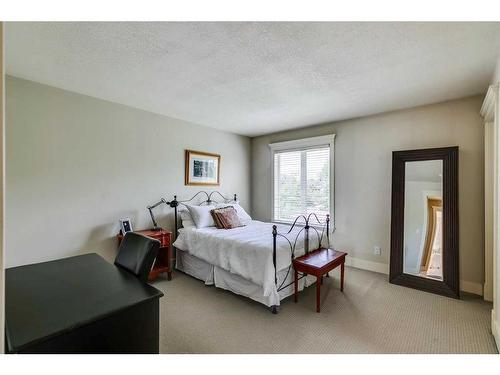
(242, 214)
(186, 219)
(201, 215)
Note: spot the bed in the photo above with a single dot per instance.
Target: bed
(254, 260)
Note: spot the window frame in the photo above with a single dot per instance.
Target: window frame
(301, 144)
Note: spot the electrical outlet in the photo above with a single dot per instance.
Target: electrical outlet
(377, 250)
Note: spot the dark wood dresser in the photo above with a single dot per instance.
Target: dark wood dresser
(80, 304)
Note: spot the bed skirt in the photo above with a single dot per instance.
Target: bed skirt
(213, 275)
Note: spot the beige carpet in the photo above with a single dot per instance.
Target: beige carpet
(371, 316)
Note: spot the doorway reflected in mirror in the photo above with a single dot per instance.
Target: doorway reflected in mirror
(423, 219)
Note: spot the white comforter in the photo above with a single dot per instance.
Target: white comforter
(245, 251)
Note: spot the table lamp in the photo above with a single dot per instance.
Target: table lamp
(150, 208)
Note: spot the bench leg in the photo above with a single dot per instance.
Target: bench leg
(296, 286)
(342, 277)
(321, 280)
(318, 293)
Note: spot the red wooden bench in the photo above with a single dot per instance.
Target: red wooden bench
(318, 263)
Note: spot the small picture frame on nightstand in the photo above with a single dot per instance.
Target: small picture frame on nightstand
(126, 225)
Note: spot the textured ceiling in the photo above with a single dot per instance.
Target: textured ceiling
(257, 78)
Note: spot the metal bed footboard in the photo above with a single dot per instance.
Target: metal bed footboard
(305, 229)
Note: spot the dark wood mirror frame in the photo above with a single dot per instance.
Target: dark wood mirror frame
(450, 285)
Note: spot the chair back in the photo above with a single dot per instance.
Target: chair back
(137, 254)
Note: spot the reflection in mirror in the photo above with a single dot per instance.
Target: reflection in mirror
(423, 219)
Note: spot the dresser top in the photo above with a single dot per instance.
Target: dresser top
(47, 299)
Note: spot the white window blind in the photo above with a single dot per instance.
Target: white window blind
(302, 183)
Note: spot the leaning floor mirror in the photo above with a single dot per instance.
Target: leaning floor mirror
(424, 222)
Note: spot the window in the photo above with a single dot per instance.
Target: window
(302, 178)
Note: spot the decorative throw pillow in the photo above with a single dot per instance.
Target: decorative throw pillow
(242, 214)
(226, 218)
(201, 215)
(215, 217)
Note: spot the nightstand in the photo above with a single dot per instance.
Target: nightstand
(163, 262)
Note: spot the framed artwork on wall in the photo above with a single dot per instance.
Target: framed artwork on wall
(202, 168)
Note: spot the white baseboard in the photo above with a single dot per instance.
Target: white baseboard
(367, 265)
(465, 286)
(495, 329)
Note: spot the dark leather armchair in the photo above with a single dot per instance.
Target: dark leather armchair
(137, 254)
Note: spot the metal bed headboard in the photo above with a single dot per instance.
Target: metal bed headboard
(175, 204)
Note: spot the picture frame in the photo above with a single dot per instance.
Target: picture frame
(126, 225)
(202, 168)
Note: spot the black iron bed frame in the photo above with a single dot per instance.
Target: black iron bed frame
(307, 225)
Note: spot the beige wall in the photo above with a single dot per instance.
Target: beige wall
(363, 150)
(75, 165)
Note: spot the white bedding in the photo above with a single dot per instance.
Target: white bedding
(245, 251)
